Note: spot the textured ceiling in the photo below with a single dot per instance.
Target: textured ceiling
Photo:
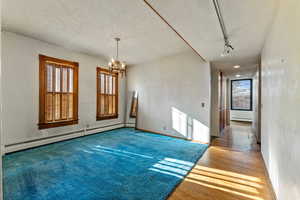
(90, 26)
(247, 24)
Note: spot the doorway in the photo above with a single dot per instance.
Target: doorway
(238, 99)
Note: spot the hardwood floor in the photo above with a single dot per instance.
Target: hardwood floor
(231, 169)
(238, 136)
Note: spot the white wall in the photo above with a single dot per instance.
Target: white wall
(171, 91)
(20, 63)
(280, 136)
(256, 106)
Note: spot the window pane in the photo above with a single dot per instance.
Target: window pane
(57, 79)
(110, 102)
(114, 84)
(64, 79)
(107, 85)
(110, 85)
(105, 104)
(114, 105)
(241, 94)
(57, 106)
(70, 106)
(71, 80)
(64, 106)
(102, 104)
(49, 77)
(102, 78)
(49, 107)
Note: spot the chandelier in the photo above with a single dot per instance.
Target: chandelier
(115, 65)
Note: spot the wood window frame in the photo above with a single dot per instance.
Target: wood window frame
(43, 90)
(116, 87)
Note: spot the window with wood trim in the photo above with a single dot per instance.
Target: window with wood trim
(134, 104)
(58, 92)
(107, 94)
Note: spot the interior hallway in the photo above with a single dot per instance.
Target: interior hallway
(231, 169)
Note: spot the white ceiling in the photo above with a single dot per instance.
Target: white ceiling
(90, 26)
(247, 23)
(244, 72)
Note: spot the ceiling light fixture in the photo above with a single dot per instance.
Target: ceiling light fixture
(115, 65)
(237, 75)
(236, 66)
(228, 48)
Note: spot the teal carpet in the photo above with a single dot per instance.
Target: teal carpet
(119, 164)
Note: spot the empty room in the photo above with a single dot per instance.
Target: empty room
(149, 100)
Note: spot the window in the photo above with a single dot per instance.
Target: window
(58, 92)
(134, 104)
(107, 94)
(241, 94)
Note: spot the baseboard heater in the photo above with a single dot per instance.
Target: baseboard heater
(130, 125)
(57, 138)
(241, 119)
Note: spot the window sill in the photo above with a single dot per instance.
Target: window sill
(107, 117)
(57, 124)
(242, 110)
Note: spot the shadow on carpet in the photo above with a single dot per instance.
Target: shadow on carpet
(118, 164)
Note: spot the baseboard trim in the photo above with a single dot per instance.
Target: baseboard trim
(159, 133)
(241, 119)
(58, 138)
(177, 137)
(96, 130)
(269, 182)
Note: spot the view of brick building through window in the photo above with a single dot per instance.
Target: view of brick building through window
(241, 94)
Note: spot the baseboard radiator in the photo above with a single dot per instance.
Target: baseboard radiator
(130, 125)
(57, 138)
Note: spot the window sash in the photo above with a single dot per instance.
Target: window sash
(58, 92)
(107, 94)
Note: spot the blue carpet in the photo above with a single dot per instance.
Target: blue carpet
(118, 164)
